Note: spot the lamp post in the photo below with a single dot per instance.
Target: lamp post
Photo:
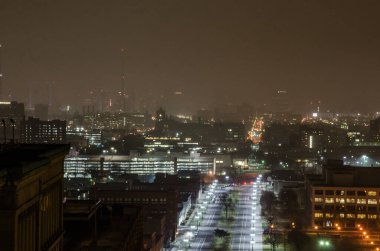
(197, 218)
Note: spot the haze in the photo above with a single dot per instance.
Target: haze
(214, 52)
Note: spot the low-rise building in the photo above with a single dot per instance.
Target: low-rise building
(155, 200)
(344, 196)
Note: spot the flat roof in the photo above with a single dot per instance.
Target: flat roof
(28, 156)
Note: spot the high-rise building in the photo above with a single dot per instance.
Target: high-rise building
(31, 178)
(42, 132)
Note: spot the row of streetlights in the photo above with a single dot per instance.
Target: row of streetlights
(366, 236)
(199, 214)
(255, 217)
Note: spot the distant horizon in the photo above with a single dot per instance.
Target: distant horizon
(213, 52)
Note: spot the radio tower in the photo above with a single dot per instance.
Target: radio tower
(123, 93)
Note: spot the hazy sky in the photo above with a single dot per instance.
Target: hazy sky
(214, 51)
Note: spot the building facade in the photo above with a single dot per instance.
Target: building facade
(36, 131)
(344, 197)
(31, 178)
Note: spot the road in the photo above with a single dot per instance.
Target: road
(206, 215)
(247, 230)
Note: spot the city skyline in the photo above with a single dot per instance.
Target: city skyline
(214, 52)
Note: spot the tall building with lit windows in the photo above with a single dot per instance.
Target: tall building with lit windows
(31, 178)
(344, 197)
(36, 131)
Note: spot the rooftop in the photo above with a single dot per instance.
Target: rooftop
(28, 156)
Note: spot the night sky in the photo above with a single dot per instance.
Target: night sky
(215, 52)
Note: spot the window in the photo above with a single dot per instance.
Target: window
(329, 192)
(339, 200)
(371, 193)
(329, 207)
(341, 215)
(318, 200)
(372, 201)
(362, 193)
(318, 215)
(329, 215)
(360, 208)
(372, 209)
(350, 208)
(340, 208)
(318, 207)
(350, 216)
(351, 192)
(372, 216)
(361, 216)
(361, 201)
(318, 192)
(329, 200)
(339, 192)
(350, 200)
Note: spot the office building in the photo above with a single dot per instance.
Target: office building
(344, 196)
(36, 131)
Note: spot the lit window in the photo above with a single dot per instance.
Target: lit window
(350, 200)
(318, 215)
(372, 201)
(361, 216)
(339, 200)
(341, 215)
(372, 216)
(329, 215)
(361, 201)
(329, 200)
(350, 216)
(318, 200)
(371, 193)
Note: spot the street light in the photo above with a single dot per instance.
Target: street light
(189, 235)
(253, 243)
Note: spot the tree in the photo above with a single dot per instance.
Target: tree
(221, 233)
(273, 238)
(227, 203)
(289, 201)
(267, 201)
(299, 239)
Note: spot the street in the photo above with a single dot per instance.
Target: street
(246, 229)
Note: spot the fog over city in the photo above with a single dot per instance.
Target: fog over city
(195, 54)
(189, 125)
